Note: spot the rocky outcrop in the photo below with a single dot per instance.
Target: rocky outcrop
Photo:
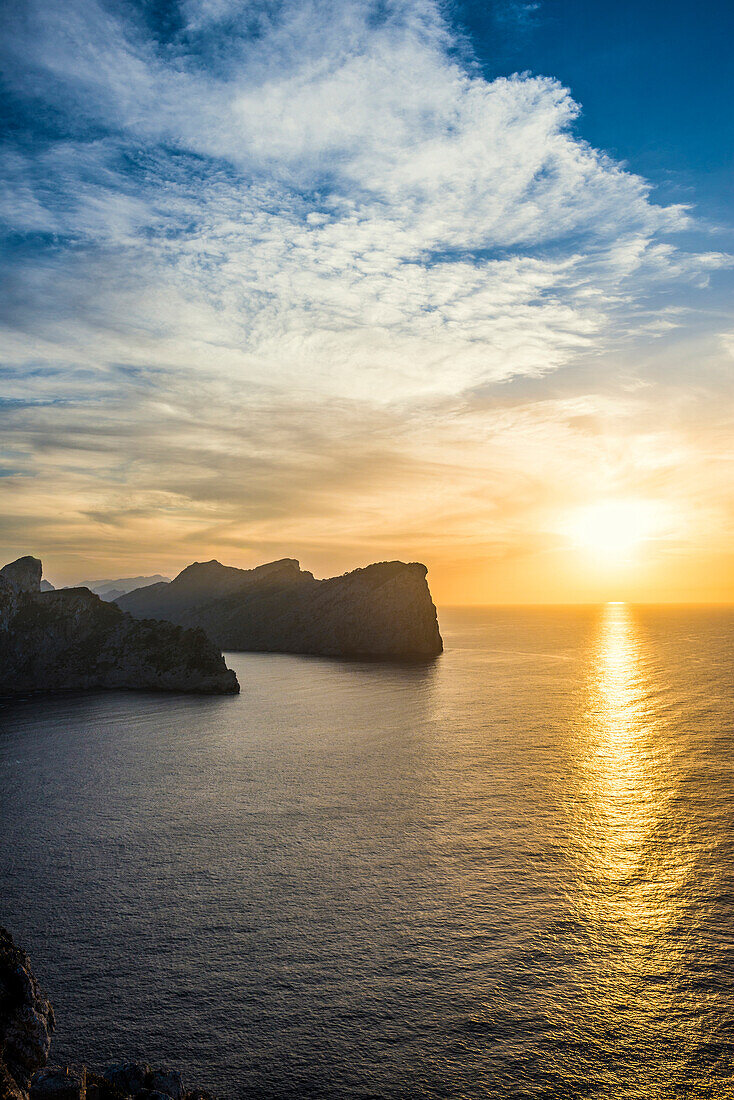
(384, 611)
(26, 1021)
(22, 576)
(26, 1025)
(71, 639)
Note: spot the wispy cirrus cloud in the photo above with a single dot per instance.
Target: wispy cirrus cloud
(261, 256)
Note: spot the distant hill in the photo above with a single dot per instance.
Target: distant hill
(110, 590)
(384, 611)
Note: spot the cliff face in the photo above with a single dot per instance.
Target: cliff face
(70, 639)
(384, 611)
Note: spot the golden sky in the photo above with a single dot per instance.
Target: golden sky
(335, 294)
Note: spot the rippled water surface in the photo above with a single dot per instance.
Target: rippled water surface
(510, 874)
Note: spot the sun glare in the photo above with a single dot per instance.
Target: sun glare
(614, 530)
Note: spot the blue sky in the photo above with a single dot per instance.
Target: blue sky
(362, 280)
(655, 80)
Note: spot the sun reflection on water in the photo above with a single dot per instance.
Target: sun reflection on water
(636, 848)
(619, 736)
(634, 867)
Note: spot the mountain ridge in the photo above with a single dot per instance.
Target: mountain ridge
(381, 611)
(112, 588)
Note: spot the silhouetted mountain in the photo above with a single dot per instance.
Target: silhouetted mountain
(46, 586)
(51, 641)
(383, 611)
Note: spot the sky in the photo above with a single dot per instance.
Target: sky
(356, 280)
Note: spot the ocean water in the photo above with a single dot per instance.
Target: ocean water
(508, 874)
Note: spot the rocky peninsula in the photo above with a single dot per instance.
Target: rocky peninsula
(384, 611)
(27, 1023)
(70, 639)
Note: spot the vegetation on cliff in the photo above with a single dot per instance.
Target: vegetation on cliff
(71, 639)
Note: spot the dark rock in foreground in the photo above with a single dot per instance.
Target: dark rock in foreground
(26, 1025)
(384, 611)
(71, 639)
(129, 1081)
(26, 1021)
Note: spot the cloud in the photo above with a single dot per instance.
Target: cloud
(262, 256)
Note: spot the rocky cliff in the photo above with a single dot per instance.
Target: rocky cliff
(71, 639)
(384, 611)
(26, 1025)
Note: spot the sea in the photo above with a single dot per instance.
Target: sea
(506, 874)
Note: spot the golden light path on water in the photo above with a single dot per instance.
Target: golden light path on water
(638, 874)
(619, 750)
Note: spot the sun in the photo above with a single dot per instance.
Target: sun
(613, 530)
